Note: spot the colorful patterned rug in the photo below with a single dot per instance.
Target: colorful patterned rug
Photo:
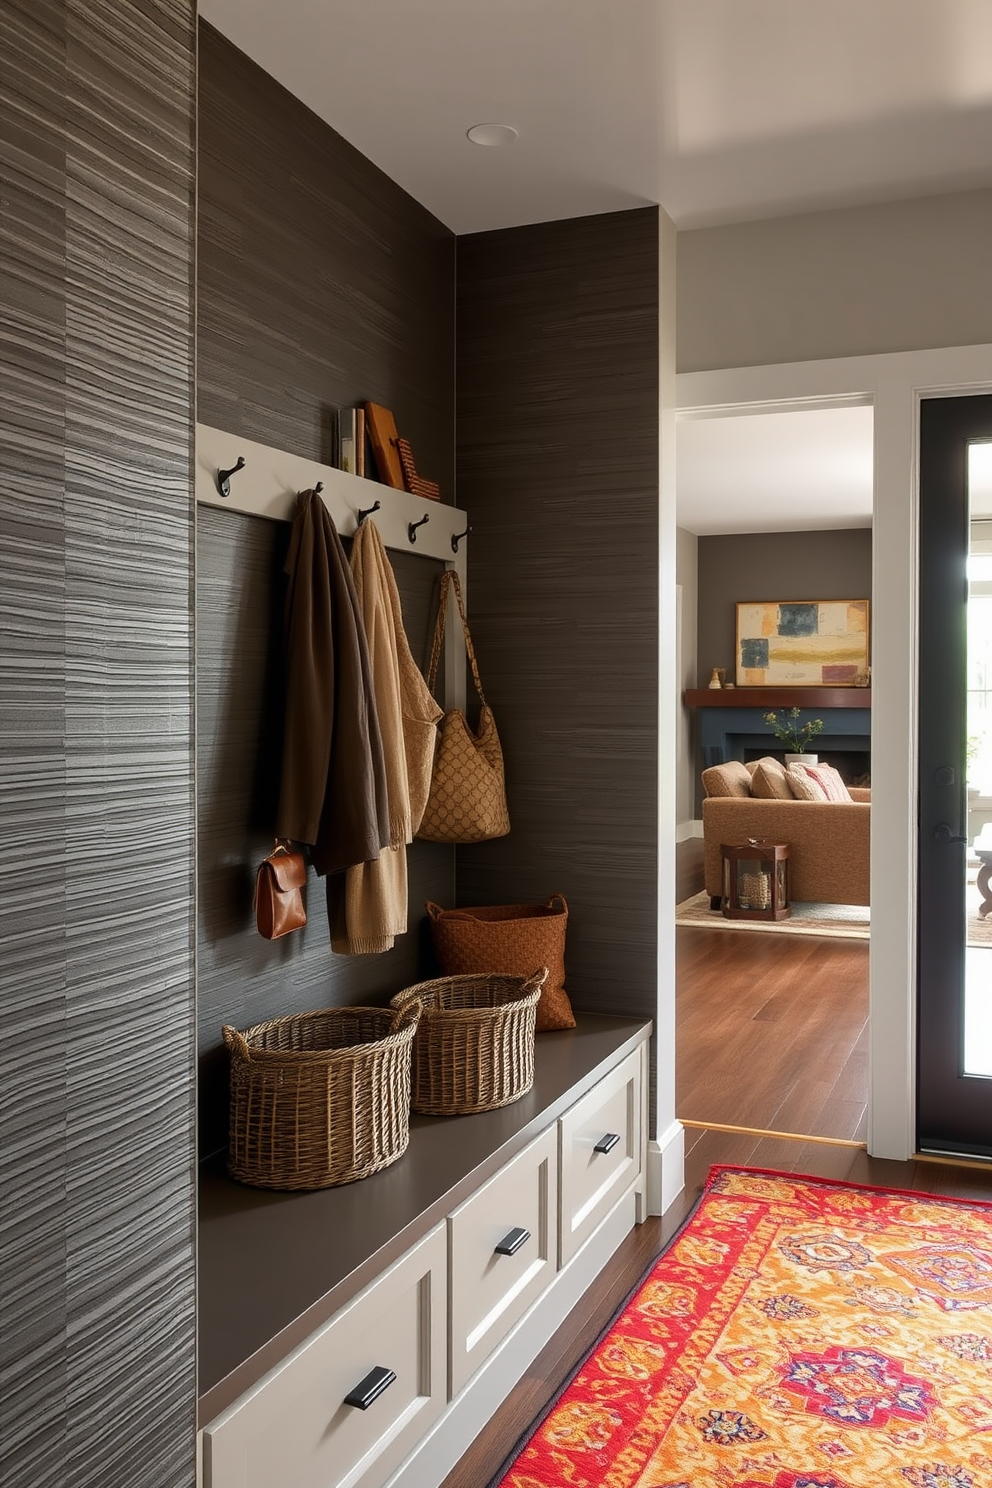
(795, 1334)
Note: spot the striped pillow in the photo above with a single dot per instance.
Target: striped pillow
(802, 784)
(830, 781)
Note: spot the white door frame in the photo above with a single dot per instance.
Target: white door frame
(894, 383)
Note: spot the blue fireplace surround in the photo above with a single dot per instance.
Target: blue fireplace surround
(737, 732)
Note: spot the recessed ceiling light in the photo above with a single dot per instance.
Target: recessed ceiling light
(492, 134)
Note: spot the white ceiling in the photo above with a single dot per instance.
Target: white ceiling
(718, 110)
(789, 471)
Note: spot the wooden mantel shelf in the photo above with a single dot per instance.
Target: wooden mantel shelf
(777, 697)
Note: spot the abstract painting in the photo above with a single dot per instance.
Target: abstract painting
(802, 643)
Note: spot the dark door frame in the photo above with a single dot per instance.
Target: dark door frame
(954, 1110)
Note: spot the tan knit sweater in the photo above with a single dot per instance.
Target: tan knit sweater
(372, 907)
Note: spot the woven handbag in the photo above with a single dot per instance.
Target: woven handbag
(467, 801)
(508, 939)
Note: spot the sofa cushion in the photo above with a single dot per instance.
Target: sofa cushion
(768, 781)
(731, 779)
(802, 784)
(829, 778)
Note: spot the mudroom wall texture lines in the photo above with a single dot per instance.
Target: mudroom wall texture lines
(97, 1353)
(557, 454)
(320, 283)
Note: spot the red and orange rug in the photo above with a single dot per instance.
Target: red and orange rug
(796, 1334)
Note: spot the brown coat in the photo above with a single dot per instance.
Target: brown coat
(333, 793)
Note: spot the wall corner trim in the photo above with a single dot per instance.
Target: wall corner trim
(666, 1168)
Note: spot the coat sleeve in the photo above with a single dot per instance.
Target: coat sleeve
(309, 676)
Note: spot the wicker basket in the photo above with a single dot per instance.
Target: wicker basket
(320, 1098)
(474, 1048)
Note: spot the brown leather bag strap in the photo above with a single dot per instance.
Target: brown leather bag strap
(449, 580)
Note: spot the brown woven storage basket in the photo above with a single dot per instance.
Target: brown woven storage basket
(474, 1046)
(320, 1098)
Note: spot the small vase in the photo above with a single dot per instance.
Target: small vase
(801, 759)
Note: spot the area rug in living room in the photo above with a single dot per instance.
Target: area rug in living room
(797, 1333)
(848, 921)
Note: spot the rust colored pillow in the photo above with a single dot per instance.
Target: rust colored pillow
(768, 782)
(509, 940)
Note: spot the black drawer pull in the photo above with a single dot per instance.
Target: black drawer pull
(511, 1243)
(371, 1387)
(607, 1143)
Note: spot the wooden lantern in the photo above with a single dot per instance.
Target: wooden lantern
(755, 880)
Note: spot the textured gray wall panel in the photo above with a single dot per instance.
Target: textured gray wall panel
(558, 467)
(97, 1364)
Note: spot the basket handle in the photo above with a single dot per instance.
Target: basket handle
(407, 1012)
(535, 981)
(561, 900)
(434, 910)
(235, 1042)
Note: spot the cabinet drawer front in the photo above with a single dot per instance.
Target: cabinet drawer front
(491, 1290)
(295, 1426)
(608, 1118)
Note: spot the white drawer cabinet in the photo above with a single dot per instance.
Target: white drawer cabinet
(601, 1156)
(455, 1319)
(503, 1253)
(295, 1429)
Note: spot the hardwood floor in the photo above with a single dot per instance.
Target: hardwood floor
(772, 1034)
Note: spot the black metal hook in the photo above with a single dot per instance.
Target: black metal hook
(411, 527)
(224, 476)
(367, 512)
(318, 488)
(456, 538)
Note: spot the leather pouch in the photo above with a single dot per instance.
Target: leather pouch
(279, 885)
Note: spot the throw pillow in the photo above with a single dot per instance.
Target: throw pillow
(802, 784)
(731, 779)
(829, 778)
(768, 782)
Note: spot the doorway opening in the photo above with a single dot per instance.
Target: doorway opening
(774, 505)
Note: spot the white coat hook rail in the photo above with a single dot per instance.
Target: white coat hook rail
(457, 537)
(238, 475)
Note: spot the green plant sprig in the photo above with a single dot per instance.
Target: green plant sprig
(788, 732)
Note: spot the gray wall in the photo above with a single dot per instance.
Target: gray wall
(895, 276)
(320, 282)
(558, 467)
(96, 787)
(834, 564)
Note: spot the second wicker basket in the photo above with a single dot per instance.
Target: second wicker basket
(474, 1045)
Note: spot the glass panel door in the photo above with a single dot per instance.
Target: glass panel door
(955, 766)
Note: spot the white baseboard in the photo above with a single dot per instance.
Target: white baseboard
(688, 829)
(449, 1439)
(666, 1168)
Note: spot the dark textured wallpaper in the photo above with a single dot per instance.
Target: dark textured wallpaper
(558, 468)
(97, 1363)
(319, 282)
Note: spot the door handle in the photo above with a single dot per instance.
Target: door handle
(944, 833)
(607, 1143)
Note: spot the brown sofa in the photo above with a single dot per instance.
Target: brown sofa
(828, 840)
